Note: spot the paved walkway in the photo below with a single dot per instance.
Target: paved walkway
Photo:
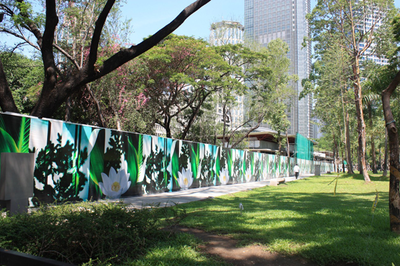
(183, 196)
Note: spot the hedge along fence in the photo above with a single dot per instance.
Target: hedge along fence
(80, 162)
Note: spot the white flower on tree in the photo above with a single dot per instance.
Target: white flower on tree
(185, 178)
(115, 184)
(223, 176)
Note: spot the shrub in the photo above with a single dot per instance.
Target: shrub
(86, 232)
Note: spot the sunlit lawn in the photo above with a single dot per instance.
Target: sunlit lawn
(304, 217)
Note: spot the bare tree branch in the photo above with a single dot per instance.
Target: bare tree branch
(97, 33)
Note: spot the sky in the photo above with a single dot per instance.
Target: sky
(149, 16)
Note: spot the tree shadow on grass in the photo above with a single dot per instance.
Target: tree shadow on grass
(318, 226)
(374, 177)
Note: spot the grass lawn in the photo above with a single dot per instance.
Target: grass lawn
(304, 217)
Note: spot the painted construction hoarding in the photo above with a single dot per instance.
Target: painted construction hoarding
(80, 162)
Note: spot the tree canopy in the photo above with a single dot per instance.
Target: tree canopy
(59, 83)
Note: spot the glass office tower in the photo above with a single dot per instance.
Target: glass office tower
(266, 20)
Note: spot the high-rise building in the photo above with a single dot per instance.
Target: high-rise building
(222, 33)
(226, 32)
(372, 20)
(266, 20)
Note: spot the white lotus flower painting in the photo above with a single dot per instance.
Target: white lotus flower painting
(185, 179)
(247, 175)
(115, 184)
(223, 176)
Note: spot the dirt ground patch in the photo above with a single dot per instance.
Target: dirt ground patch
(226, 249)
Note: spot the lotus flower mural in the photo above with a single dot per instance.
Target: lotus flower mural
(78, 162)
(247, 175)
(185, 179)
(115, 184)
(224, 177)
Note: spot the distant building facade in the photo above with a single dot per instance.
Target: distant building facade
(222, 33)
(369, 21)
(267, 20)
(226, 32)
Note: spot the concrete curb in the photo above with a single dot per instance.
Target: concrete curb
(168, 199)
(13, 258)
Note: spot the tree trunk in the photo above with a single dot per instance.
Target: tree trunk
(54, 93)
(7, 104)
(372, 140)
(360, 120)
(167, 126)
(288, 153)
(343, 165)
(385, 159)
(394, 195)
(67, 116)
(348, 145)
(279, 143)
(102, 122)
(334, 152)
(373, 156)
(224, 124)
(380, 158)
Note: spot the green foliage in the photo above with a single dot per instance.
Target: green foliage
(339, 47)
(177, 78)
(270, 89)
(24, 76)
(261, 76)
(99, 233)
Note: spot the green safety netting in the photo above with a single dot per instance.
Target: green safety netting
(304, 148)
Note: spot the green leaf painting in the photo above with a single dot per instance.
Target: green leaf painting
(175, 159)
(7, 143)
(97, 164)
(71, 158)
(169, 151)
(134, 156)
(218, 162)
(230, 154)
(14, 134)
(195, 159)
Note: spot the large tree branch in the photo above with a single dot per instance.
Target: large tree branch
(47, 45)
(53, 96)
(389, 91)
(49, 95)
(259, 120)
(126, 55)
(98, 108)
(20, 37)
(97, 34)
(30, 25)
(196, 110)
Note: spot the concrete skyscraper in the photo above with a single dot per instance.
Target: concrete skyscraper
(222, 33)
(226, 32)
(266, 20)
